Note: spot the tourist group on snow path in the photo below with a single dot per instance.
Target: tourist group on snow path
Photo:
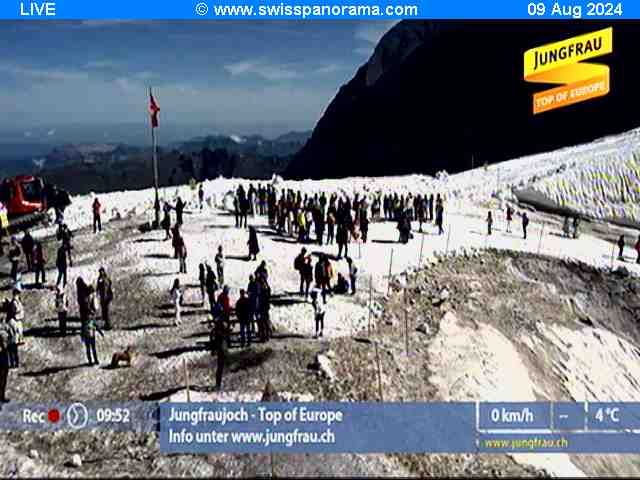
(322, 219)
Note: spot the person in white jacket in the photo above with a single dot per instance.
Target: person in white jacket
(176, 300)
(318, 310)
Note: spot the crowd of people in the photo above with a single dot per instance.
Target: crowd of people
(322, 219)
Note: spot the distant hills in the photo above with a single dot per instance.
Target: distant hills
(101, 167)
(436, 93)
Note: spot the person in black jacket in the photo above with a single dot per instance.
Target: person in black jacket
(4, 360)
(621, 243)
(104, 287)
(254, 248)
(61, 265)
(27, 248)
(243, 312)
(220, 346)
(179, 211)
(14, 258)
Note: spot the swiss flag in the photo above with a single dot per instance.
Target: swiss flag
(153, 110)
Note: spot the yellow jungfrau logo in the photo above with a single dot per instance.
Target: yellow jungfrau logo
(559, 63)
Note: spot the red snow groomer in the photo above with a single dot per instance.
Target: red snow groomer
(26, 200)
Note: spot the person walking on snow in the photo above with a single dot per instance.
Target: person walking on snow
(14, 258)
(211, 286)
(97, 222)
(525, 224)
(298, 264)
(243, 312)
(182, 255)
(509, 218)
(89, 330)
(621, 247)
(489, 222)
(576, 225)
(202, 280)
(254, 248)
(220, 265)
(307, 276)
(566, 228)
(62, 309)
(39, 264)
(4, 361)
(439, 217)
(353, 274)
(104, 287)
(318, 312)
(176, 299)
(28, 245)
(201, 196)
(61, 265)
(220, 348)
(166, 222)
(179, 211)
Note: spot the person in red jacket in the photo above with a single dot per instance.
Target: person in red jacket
(97, 222)
(225, 304)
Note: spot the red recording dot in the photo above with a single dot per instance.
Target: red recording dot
(54, 415)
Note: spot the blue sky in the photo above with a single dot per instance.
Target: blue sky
(231, 73)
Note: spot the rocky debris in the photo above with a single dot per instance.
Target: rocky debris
(391, 320)
(424, 327)
(34, 454)
(75, 461)
(323, 365)
(442, 297)
(622, 272)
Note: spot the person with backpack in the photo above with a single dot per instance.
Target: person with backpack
(307, 276)
(353, 274)
(509, 218)
(4, 361)
(525, 224)
(62, 308)
(61, 265)
(28, 245)
(39, 264)
(97, 221)
(176, 300)
(220, 265)
(489, 222)
(298, 264)
(243, 312)
(318, 312)
(104, 287)
(621, 243)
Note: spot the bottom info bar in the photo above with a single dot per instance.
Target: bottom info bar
(328, 427)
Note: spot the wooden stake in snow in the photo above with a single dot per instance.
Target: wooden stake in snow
(448, 235)
(390, 265)
(186, 379)
(370, 300)
(613, 254)
(406, 322)
(540, 241)
(379, 371)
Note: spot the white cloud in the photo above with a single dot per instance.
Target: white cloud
(43, 74)
(100, 64)
(51, 132)
(266, 70)
(372, 32)
(364, 51)
(330, 68)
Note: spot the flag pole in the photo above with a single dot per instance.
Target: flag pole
(156, 204)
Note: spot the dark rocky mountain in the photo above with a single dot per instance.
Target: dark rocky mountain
(435, 93)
